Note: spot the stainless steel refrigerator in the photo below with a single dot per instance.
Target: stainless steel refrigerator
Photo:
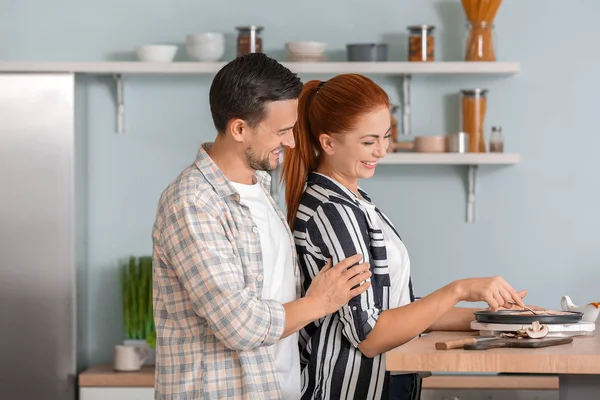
(37, 240)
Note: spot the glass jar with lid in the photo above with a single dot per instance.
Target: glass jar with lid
(249, 39)
(480, 42)
(421, 43)
(496, 140)
(473, 109)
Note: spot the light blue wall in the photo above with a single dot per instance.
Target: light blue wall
(537, 222)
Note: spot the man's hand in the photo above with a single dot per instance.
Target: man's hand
(333, 287)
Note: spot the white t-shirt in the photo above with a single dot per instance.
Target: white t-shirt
(397, 257)
(278, 280)
(398, 261)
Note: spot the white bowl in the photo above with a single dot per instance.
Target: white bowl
(205, 37)
(209, 51)
(306, 48)
(156, 52)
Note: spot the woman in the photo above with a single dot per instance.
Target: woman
(343, 130)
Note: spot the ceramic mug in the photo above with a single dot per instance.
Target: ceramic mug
(129, 358)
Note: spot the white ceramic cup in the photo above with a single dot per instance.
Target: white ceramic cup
(129, 358)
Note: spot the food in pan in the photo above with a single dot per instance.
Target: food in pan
(526, 313)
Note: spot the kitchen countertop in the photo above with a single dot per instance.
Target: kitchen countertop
(580, 357)
(105, 376)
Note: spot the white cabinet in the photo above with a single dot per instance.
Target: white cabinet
(116, 393)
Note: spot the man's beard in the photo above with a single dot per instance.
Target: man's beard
(258, 164)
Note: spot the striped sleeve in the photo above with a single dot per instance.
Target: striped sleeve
(337, 232)
(202, 257)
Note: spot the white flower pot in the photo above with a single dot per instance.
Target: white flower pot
(142, 343)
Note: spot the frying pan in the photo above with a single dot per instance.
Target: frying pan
(525, 317)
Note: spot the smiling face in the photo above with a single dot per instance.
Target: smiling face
(354, 155)
(271, 135)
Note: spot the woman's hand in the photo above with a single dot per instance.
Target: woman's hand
(495, 291)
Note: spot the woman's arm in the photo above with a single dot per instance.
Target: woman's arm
(456, 319)
(337, 231)
(399, 325)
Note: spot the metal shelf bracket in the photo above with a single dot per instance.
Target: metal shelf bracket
(471, 191)
(120, 103)
(406, 130)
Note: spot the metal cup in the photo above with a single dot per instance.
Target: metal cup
(458, 142)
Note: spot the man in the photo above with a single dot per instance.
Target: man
(226, 284)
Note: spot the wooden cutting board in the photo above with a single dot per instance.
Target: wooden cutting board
(519, 343)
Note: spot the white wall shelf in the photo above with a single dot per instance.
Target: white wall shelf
(380, 68)
(451, 158)
(404, 70)
(471, 160)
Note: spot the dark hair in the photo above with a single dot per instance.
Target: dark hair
(243, 87)
(327, 107)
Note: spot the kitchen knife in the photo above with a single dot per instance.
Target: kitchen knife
(460, 343)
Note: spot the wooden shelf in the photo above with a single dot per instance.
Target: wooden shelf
(381, 68)
(451, 159)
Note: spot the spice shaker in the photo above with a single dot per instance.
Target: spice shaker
(421, 43)
(496, 140)
(249, 39)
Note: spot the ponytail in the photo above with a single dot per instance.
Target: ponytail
(303, 158)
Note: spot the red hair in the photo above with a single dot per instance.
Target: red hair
(324, 108)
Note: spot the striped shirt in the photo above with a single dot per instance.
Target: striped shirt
(213, 331)
(331, 223)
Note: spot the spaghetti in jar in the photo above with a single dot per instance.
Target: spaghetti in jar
(473, 106)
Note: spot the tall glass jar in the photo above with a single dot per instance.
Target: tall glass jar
(473, 108)
(480, 42)
(249, 39)
(421, 43)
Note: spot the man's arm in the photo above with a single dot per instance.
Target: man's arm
(196, 246)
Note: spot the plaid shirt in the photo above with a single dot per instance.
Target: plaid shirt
(213, 331)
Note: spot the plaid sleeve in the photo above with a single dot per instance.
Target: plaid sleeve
(197, 247)
(335, 232)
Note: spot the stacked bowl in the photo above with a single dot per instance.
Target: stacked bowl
(206, 46)
(306, 51)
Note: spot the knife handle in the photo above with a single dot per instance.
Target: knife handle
(455, 344)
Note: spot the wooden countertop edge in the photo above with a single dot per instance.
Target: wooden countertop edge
(508, 382)
(465, 361)
(104, 376)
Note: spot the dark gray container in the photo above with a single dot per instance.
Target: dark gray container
(367, 51)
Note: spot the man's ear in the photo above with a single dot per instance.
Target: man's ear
(326, 143)
(238, 129)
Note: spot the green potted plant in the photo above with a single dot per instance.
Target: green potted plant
(138, 315)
